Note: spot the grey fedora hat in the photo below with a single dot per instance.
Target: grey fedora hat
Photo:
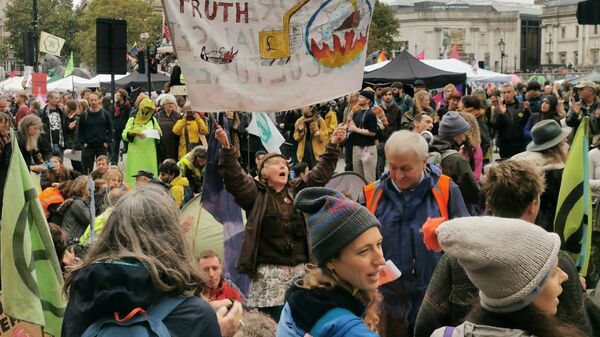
(546, 134)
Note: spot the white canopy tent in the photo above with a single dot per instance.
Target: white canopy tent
(375, 66)
(106, 78)
(475, 77)
(13, 84)
(72, 83)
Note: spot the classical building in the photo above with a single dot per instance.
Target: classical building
(504, 36)
(565, 41)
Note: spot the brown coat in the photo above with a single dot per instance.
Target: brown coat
(251, 195)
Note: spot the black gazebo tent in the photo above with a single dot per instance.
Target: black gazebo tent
(406, 68)
(135, 79)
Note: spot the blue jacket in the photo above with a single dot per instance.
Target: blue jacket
(342, 326)
(401, 215)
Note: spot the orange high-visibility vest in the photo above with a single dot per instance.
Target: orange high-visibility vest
(441, 193)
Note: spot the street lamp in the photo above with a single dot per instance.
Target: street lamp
(549, 54)
(502, 46)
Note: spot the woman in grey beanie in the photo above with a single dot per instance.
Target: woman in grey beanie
(339, 296)
(514, 264)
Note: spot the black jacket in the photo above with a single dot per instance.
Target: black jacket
(95, 128)
(456, 167)
(46, 140)
(101, 289)
(510, 125)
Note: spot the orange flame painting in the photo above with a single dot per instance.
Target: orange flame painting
(341, 54)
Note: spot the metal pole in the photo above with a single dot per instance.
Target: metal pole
(35, 36)
(148, 71)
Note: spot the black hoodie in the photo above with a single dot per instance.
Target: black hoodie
(101, 289)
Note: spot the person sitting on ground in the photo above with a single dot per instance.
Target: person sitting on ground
(450, 291)
(192, 165)
(169, 174)
(111, 200)
(219, 291)
(514, 264)
(102, 163)
(75, 209)
(143, 177)
(339, 296)
(57, 174)
(140, 260)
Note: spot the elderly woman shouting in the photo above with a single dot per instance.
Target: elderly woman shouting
(275, 246)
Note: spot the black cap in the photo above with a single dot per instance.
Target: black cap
(420, 83)
(144, 173)
(368, 94)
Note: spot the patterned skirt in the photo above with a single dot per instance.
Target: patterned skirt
(270, 284)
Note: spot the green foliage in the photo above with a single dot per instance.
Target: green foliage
(140, 15)
(54, 16)
(384, 28)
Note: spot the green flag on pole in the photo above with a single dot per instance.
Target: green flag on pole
(573, 221)
(31, 276)
(69, 69)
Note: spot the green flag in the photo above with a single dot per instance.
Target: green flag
(31, 276)
(573, 221)
(69, 69)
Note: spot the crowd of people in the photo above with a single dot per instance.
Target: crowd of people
(113, 176)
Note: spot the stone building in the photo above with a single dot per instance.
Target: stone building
(566, 42)
(476, 28)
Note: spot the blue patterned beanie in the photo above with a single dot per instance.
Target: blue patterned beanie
(333, 221)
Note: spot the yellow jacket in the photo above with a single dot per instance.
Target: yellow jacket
(195, 128)
(178, 186)
(331, 122)
(318, 139)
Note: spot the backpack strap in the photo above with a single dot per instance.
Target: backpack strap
(165, 306)
(441, 193)
(329, 316)
(449, 331)
(373, 193)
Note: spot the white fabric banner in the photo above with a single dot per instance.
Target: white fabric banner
(269, 55)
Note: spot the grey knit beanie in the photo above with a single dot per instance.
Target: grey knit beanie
(333, 221)
(509, 260)
(452, 124)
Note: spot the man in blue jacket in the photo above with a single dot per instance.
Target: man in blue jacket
(402, 200)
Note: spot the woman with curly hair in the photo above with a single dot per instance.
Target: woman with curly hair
(339, 296)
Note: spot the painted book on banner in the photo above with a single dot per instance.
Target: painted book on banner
(269, 56)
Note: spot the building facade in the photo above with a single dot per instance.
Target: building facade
(505, 37)
(565, 41)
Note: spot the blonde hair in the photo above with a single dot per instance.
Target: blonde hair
(473, 134)
(316, 277)
(419, 96)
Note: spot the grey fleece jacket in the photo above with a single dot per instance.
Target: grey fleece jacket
(468, 329)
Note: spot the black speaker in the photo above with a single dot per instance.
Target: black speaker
(111, 46)
(481, 64)
(29, 49)
(588, 12)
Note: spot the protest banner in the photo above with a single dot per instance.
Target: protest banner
(10, 327)
(269, 56)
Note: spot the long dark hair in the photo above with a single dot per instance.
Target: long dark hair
(529, 319)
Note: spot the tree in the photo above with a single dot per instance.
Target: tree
(384, 28)
(141, 18)
(54, 16)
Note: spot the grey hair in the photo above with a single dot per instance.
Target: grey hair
(507, 84)
(51, 93)
(24, 125)
(168, 98)
(403, 141)
(144, 226)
